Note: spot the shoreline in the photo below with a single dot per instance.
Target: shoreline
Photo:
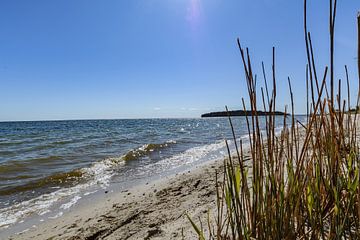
(149, 210)
(153, 210)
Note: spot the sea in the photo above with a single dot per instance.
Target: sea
(47, 167)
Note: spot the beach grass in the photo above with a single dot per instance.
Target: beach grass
(304, 182)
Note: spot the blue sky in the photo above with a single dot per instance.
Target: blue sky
(83, 59)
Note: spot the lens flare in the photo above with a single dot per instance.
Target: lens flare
(193, 15)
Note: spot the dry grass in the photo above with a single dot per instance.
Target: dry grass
(303, 183)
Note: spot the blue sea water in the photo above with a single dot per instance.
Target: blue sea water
(46, 162)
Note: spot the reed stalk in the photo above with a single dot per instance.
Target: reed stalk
(358, 23)
(304, 182)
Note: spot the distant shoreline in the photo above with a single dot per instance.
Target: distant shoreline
(237, 113)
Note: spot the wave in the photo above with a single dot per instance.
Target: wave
(67, 188)
(16, 170)
(55, 179)
(15, 142)
(146, 150)
(63, 142)
(66, 178)
(205, 152)
(12, 167)
(98, 174)
(22, 166)
(63, 179)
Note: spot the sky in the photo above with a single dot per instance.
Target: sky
(95, 59)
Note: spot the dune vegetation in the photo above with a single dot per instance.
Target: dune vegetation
(304, 182)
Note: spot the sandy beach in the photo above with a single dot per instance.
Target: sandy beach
(179, 120)
(154, 210)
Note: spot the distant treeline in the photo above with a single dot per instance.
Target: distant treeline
(240, 113)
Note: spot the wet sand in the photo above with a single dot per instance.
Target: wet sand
(154, 210)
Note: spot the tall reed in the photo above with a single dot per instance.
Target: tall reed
(304, 182)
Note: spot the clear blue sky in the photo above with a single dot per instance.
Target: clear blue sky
(82, 59)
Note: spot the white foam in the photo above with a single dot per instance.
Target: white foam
(98, 173)
(70, 203)
(59, 214)
(91, 192)
(189, 156)
(22, 232)
(44, 212)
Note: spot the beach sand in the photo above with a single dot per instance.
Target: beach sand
(153, 210)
